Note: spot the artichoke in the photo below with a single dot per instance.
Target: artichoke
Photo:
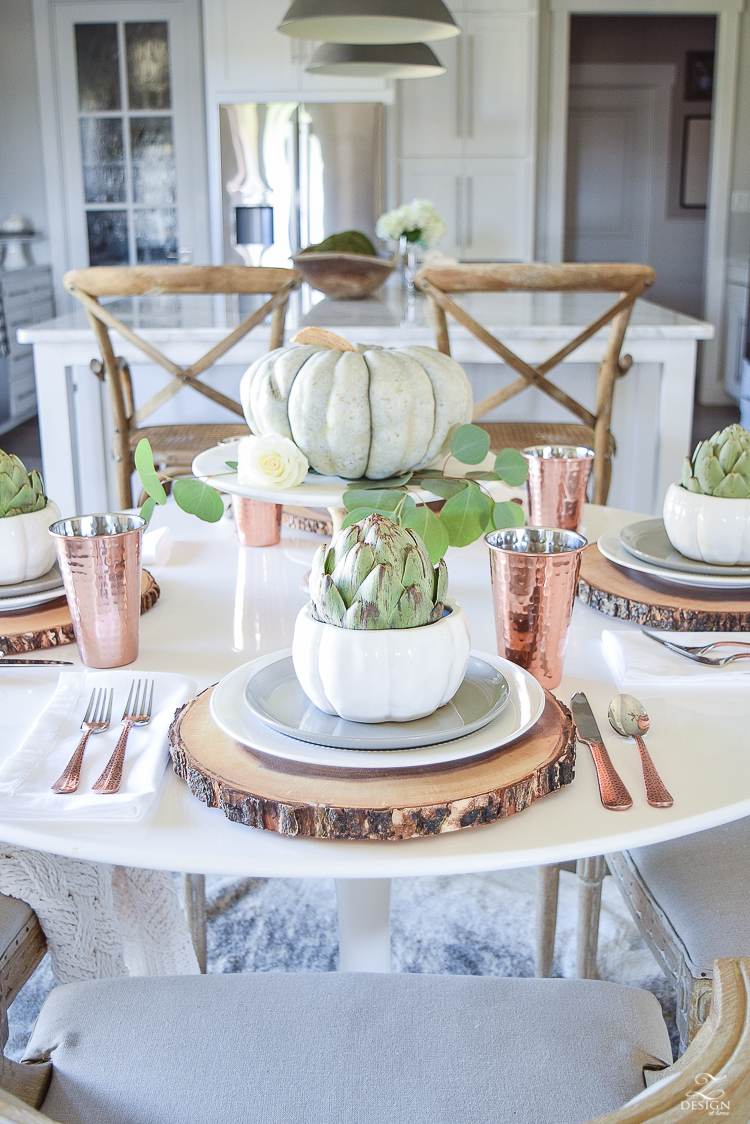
(721, 465)
(376, 574)
(20, 491)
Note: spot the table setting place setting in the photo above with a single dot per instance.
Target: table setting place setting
(381, 721)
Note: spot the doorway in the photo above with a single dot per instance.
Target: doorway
(639, 127)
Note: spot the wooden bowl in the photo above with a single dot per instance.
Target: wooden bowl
(343, 276)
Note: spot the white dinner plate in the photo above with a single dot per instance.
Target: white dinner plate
(610, 546)
(232, 715)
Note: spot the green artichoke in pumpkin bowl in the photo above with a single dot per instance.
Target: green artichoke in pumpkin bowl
(377, 575)
(721, 465)
(21, 492)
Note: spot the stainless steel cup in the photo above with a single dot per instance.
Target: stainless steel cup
(100, 562)
(534, 578)
(557, 481)
(258, 522)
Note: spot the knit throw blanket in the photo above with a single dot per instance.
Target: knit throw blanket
(99, 920)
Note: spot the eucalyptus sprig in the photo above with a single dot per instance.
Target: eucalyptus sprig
(469, 510)
(193, 496)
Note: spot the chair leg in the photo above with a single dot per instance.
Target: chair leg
(194, 890)
(547, 886)
(590, 876)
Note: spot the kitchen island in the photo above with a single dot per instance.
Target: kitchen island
(653, 403)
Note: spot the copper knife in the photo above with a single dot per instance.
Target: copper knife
(613, 792)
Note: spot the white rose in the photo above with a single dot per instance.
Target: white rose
(270, 462)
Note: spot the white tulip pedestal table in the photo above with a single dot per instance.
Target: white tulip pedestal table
(223, 605)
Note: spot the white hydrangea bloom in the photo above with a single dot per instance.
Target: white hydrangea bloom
(419, 215)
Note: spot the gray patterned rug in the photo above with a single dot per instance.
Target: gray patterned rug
(476, 924)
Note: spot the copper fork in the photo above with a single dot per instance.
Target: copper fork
(136, 715)
(95, 721)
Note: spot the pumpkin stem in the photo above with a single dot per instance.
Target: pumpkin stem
(322, 338)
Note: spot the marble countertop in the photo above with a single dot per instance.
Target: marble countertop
(381, 319)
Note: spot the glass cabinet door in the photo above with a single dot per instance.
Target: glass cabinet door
(133, 152)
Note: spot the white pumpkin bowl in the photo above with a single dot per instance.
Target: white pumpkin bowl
(708, 528)
(381, 675)
(26, 550)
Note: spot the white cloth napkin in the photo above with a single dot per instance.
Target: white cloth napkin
(26, 777)
(157, 547)
(638, 663)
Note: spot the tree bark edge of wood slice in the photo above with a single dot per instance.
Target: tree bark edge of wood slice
(50, 627)
(629, 596)
(266, 792)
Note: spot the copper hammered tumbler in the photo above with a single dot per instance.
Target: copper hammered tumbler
(258, 522)
(534, 578)
(100, 563)
(557, 481)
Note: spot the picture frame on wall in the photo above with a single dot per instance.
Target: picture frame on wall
(699, 76)
(696, 160)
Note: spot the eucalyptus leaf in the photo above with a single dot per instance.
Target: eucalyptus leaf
(446, 486)
(232, 465)
(511, 467)
(148, 509)
(430, 529)
(362, 513)
(478, 474)
(465, 516)
(390, 482)
(470, 444)
(384, 499)
(197, 498)
(144, 462)
(507, 515)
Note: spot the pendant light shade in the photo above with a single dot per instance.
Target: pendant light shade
(376, 60)
(369, 21)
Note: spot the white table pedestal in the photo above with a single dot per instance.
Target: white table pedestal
(364, 906)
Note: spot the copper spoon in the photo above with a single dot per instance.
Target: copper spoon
(628, 718)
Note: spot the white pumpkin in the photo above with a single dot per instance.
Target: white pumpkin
(373, 412)
(26, 549)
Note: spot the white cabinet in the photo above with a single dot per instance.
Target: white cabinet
(497, 69)
(485, 204)
(466, 139)
(25, 298)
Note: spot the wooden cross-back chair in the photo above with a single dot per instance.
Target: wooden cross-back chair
(174, 446)
(593, 430)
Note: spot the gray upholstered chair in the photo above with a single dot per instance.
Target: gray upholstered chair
(337, 1047)
(690, 898)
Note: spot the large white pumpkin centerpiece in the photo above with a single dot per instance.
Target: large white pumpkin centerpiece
(354, 412)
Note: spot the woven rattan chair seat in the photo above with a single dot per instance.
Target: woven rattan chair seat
(178, 445)
(518, 435)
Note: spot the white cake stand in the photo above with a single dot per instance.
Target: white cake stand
(314, 491)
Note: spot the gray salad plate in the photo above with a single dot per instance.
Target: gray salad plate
(648, 541)
(51, 580)
(275, 696)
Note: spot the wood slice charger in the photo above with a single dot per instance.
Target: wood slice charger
(631, 596)
(267, 792)
(49, 625)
